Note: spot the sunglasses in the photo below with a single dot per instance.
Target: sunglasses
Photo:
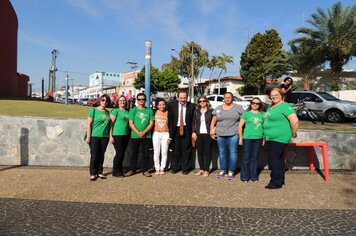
(103, 100)
(201, 101)
(122, 100)
(255, 103)
(141, 99)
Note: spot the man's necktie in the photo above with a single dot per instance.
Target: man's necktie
(181, 122)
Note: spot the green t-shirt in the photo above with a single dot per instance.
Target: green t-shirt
(253, 125)
(121, 125)
(141, 119)
(101, 123)
(276, 124)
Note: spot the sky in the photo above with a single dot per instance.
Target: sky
(103, 35)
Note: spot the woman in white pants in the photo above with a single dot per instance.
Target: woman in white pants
(160, 137)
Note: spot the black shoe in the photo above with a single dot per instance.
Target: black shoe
(185, 172)
(175, 171)
(270, 186)
(119, 175)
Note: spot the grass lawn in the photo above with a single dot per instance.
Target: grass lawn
(42, 109)
(38, 108)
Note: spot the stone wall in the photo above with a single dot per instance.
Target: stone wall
(59, 142)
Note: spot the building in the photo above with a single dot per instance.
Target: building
(226, 84)
(103, 82)
(127, 84)
(12, 83)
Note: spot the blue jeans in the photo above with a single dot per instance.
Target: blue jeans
(228, 145)
(251, 148)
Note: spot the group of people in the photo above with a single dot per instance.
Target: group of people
(183, 125)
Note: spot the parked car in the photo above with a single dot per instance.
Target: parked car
(83, 101)
(216, 100)
(326, 105)
(92, 102)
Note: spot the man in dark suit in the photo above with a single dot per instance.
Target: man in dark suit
(180, 115)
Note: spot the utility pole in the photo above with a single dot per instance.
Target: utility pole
(42, 88)
(66, 89)
(52, 74)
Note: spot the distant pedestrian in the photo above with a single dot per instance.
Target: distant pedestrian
(129, 99)
(160, 137)
(141, 121)
(201, 134)
(224, 128)
(280, 125)
(98, 131)
(251, 137)
(119, 134)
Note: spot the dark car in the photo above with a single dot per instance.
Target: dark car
(325, 105)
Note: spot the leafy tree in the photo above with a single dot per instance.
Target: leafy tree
(192, 59)
(167, 80)
(263, 58)
(306, 61)
(333, 35)
(155, 77)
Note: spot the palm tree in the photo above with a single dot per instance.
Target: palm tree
(305, 61)
(221, 64)
(333, 35)
(212, 64)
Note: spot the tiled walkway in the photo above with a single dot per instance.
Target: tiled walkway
(62, 201)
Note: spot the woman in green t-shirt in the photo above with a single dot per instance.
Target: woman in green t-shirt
(98, 128)
(119, 134)
(251, 133)
(280, 125)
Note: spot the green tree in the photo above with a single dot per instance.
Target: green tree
(167, 80)
(263, 58)
(192, 59)
(155, 77)
(306, 61)
(333, 35)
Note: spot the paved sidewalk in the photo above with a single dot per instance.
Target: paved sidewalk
(50, 197)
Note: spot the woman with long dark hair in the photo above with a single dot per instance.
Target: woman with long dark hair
(98, 131)
(201, 134)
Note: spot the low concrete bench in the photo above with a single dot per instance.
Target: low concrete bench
(312, 145)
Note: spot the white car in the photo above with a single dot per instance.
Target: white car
(216, 100)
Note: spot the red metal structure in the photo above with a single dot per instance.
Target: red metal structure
(11, 82)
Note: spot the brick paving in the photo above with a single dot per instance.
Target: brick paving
(62, 201)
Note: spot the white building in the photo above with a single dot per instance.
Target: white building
(100, 82)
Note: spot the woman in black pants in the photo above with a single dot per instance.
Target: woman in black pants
(119, 134)
(201, 134)
(98, 130)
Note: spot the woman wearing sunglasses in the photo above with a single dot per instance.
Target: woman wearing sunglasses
(98, 130)
(251, 133)
(201, 135)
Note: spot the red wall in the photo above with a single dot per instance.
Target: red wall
(11, 83)
(22, 84)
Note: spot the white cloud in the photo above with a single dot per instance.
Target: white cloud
(85, 5)
(43, 41)
(151, 15)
